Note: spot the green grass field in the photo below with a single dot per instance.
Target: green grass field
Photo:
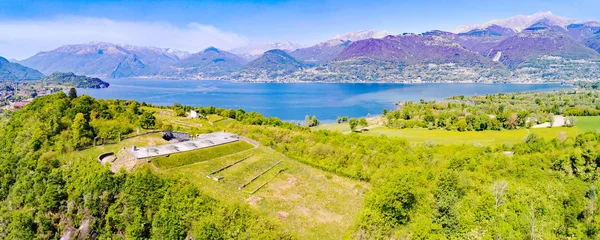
(420, 135)
(588, 123)
(340, 127)
(215, 118)
(306, 201)
(185, 158)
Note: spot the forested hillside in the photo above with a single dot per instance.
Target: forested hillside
(44, 195)
(72, 80)
(540, 189)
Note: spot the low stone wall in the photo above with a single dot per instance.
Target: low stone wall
(230, 165)
(257, 176)
(104, 155)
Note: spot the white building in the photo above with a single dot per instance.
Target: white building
(194, 114)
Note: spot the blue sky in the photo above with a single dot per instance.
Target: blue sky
(303, 22)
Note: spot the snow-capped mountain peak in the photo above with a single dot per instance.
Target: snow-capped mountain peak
(254, 50)
(361, 35)
(353, 37)
(520, 22)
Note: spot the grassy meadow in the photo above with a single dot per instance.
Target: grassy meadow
(420, 135)
(588, 123)
(339, 127)
(306, 201)
(439, 136)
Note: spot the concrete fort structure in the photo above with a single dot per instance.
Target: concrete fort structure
(199, 142)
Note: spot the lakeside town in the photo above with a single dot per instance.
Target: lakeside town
(15, 95)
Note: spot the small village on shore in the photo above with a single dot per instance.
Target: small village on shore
(15, 95)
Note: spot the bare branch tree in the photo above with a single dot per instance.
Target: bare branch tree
(532, 220)
(499, 188)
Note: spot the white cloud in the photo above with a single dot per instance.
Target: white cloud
(22, 39)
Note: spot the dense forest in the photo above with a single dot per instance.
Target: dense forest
(537, 189)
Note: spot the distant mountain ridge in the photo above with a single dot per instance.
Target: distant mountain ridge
(14, 71)
(104, 59)
(209, 63)
(541, 39)
(255, 50)
(409, 57)
(272, 64)
(326, 51)
(527, 48)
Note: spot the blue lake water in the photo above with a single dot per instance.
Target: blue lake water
(293, 101)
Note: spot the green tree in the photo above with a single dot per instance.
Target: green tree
(363, 122)
(22, 226)
(240, 114)
(462, 125)
(180, 112)
(147, 120)
(133, 107)
(353, 122)
(482, 123)
(55, 193)
(522, 116)
(82, 135)
(313, 121)
(72, 93)
(395, 199)
(447, 194)
(384, 112)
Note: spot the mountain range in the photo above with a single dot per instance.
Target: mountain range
(329, 50)
(208, 63)
(14, 71)
(255, 50)
(536, 48)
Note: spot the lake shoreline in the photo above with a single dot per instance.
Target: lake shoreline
(293, 101)
(339, 82)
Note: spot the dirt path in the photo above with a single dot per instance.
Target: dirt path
(559, 121)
